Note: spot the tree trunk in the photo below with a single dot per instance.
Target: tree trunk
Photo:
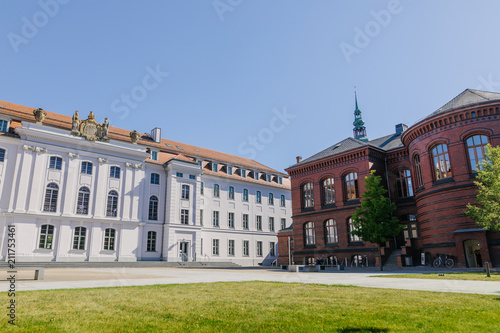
(380, 257)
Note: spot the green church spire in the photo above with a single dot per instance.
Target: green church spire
(359, 129)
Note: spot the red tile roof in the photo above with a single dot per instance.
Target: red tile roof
(168, 148)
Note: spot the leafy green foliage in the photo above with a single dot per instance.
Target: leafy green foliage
(373, 221)
(486, 211)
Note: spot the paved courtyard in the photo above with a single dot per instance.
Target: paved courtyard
(66, 278)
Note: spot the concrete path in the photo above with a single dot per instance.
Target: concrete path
(58, 278)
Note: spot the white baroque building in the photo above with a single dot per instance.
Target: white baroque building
(78, 190)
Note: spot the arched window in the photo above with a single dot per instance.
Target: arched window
(245, 194)
(79, 238)
(441, 161)
(328, 191)
(404, 184)
(82, 205)
(307, 195)
(112, 206)
(353, 238)
(351, 186)
(153, 208)
(475, 150)
(331, 231)
(185, 191)
(51, 193)
(151, 243)
(216, 190)
(46, 236)
(109, 239)
(310, 236)
(231, 192)
(418, 170)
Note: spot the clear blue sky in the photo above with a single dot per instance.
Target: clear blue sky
(232, 64)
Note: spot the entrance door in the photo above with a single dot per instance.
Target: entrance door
(183, 250)
(473, 253)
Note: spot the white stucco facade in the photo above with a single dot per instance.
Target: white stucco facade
(71, 199)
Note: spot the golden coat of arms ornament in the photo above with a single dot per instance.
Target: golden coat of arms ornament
(90, 129)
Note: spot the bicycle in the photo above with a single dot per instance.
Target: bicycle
(448, 261)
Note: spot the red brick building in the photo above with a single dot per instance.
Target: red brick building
(429, 170)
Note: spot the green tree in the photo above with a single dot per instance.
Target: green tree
(486, 210)
(373, 221)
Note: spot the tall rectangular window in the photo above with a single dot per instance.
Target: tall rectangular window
(245, 194)
(231, 192)
(259, 249)
(114, 172)
(86, 168)
(215, 167)
(258, 197)
(184, 216)
(476, 148)
(185, 192)
(283, 223)
(271, 199)
(79, 238)
(109, 239)
(201, 216)
(246, 248)
(245, 221)
(271, 223)
(331, 231)
(155, 179)
(282, 200)
(154, 155)
(2, 155)
(258, 222)
(307, 195)
(243, 173)
(230, 247)
(55, 163)
(418, 171)
(328, 191)
(353, 238)
(46, 236)
(3, 125)
(256, 175)
(216, 190)
(215, 247)
(151, 243)
(230, 220)
(215, 220)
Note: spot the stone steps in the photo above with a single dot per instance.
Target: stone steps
(392, 261)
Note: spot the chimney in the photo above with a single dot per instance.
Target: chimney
(156, 134)
(400, 128)
(299, 159)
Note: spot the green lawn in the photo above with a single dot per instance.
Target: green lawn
(252, 307)
(477, 276)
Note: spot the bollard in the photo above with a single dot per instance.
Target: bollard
(487, 267)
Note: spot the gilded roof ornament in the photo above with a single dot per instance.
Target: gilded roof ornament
(90, 129)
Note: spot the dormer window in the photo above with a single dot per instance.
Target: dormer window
(243, 173)
(268, 178)
(229, 170)
(256, 175)
(214, 166)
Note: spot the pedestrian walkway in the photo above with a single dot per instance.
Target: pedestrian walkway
(69, 278)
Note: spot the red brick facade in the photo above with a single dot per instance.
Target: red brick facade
(436, 204)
